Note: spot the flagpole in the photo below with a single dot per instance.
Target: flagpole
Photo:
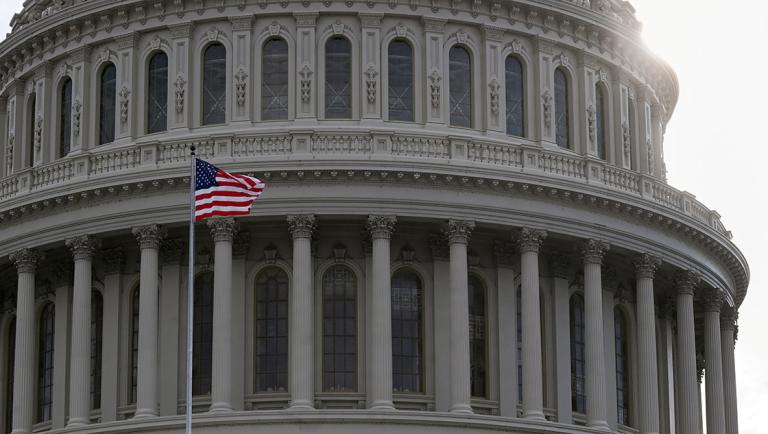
(190, 285)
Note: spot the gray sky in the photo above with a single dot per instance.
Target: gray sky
(715, 145)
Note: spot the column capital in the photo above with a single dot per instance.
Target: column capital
(113, 260)
(149, 236)
(83, 247)
(530, 240)
(687, 281)
(646, 265)
(171, 251)
(302, 226)
(222, 229)
(504, 252)
(381, 226)
(711, 300)
(729, 316)
(25, 260)
(593, 251)
(459, 231)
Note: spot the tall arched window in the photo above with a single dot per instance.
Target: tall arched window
(108, 101)
(65, 120)
(274, 80)
(513, 81)
(9, 361)
(477, 338)
(460, 86)
(157, 93)
(562, 110)
(134, 343)
(31, 119)
(202, 329)
(600, 120)
(215, 84)
(407, 333)
(339, 330)
(621, 332)
(271, 322)
(338, 78)
(97, 334)
(45, 363)
(578, 392)
(400, 77)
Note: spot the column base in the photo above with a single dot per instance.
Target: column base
(301, 405)
(220, 407)
(144, 413)
(382, 405)
(534, 415)
(462, 409)
(600, 425)
(75, 422)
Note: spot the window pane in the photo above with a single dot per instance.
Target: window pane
(271, 294)
(45, 364)
(460, 77)
(477, 336)
(407, 333)
(215, 85)
(600, 130)
(578, 392)
(108, 100)
(400, 66)
(274, 81)
(339, 340)
(202, 329)
(622, 366)
(562, 135)
(157, 101)
(65, 127)
(338, 78)
(97, 327)
(513, 79)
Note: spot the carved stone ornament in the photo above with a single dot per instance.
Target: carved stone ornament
(25, 260)
(241, 86)
(104, 55)
(213, 34)
(77, 114)
(530, 240)
(38, 134)
(125, 100)
(9, 153)
(461, 37)
(516, 46)
(712, 300)
(434, 88)
(381, 226)
(494, 88)
(339, 252)
(155, 43)
(591, 122)
(564, 60)
(306, 83)
(338, 27)
(370, 83)
(546, 101)
(649, 150)
(149, 236)
(401, 30)
(407, 254)
(626, 141)
(728, 318)
(270, 253)
(83, 247)
(438, 245)
(593, 251)
(112, 260)
(504, 252)
(646, 265)
(301, 226)
(180, 85)
(274, 28)
(171, 251)
(241, 245)
(222, 229)
(459, 231)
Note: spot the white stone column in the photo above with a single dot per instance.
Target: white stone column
(458, 232)
(380, 361)
(593, 252)
(24, 363)
(647, 369)
(149, 238)
(240, 248)
(301, 338)
(686, 384)
(713, 363)
(728, 319)
(533, 382)
(507, 310)
(83, 248)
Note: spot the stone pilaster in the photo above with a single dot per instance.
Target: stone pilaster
(686, 376)
(645, 270)
(529, 242)
(728, 318)
(712, 303)
(112, 264)
(504, 252)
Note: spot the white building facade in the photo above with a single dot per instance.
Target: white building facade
(466, 229)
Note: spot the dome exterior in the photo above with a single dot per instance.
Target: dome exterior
(466, 228)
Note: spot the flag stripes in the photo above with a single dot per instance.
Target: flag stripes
(219, 193)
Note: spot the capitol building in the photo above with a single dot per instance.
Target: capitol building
(466, 229)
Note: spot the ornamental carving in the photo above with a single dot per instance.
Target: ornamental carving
(301, 226)
(156, 43)
(38, 134)
(125, 94)
(407, 254)
(213, 34)
(338, 27)
(104, 55)
(711, 300)
(241, 86)
(401, 30)
(370, 83)
(274, 28)
(516, 46)
(593, 251)
(591, 122)
(381, 226)
(9, 154)
(530, 240)
(459, 231)
(504, 253)
(171, 251)
(438, 246)
(649, 151)
(646, 265)
(112, 260)
(149, 236)
(687, 281)
(180, 85)
(306, 83)
(77, 114)
(82, 247)
(222, 229)
(494, 88)
(461, 37)
(728, 318)
(434, 88)
(25, 260)
(626, 141)
(546, 102)
(241, 244)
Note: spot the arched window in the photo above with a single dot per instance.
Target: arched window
(274, 80)
(45, 363)
(202, 329)
(477, 337)
(621, 332)
(108, 101)
(519, 317)
(215, 85)
(271, 322)
(338, 78)
(157, 93)
(562, 111)
(134, 343)
(513, 81)
(339, 330)
(97, 329)
(400, 75)
(9, 372)
(65, 121)
(578, 393)
(407, 333)
(600, 120)
(31, 119)
(460, 85)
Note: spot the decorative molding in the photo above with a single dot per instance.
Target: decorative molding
(593, 251)
(711, 300)
(83, 247)
(172, 250)
(306, 83)
(241, 86)
(38, 137)
(434, 87)
(180, 85)
(370, 82)
(271, 254)
(546, 101)
(646, 265)
(222, 229)
(459, 231)
(241, 244)
(77, 114)
(494, 88)
(301, 226)
(25, 260)
(125, 100)
(504, 253)
(687, 281)
(381, 226)
(112, 260)
(149, 236)
(407, 255)
(438, 246)
(529, 240)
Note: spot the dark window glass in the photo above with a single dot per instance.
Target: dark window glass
(600, 119)
(271, 318)
(97, 328)
(630, 128)
(134, 343)
(338, 78)
(562, 123)
(45, 364)
(31, 119)
(65, 127)
(339, 330)
(400, 70)
(407, 333)
(108, 101)
(578, 394)
(215, 85)
(519, 318)
(513, 80)
(622, 366)
(9, 371)
(477, 338)
(157, 94)
(202, 330)
(460, 85)
(274, 80)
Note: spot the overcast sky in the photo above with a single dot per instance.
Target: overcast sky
(715, 145)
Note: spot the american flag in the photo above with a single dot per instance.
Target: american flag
(218, 193)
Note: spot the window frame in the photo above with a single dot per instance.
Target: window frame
(148, 91)
(356, 321)
(523, 95)
(323, 87)
(96, 349)
(288, 77)
(576, 405)
(227, 84)
(64, 118)
(602, 118)
(569, 113)
(473, 115)
(100, 117)
(423, 328)
(255, 334)
(386, 90)
(199, 349)
(45, 338)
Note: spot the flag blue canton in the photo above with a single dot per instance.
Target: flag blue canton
(206, 175)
